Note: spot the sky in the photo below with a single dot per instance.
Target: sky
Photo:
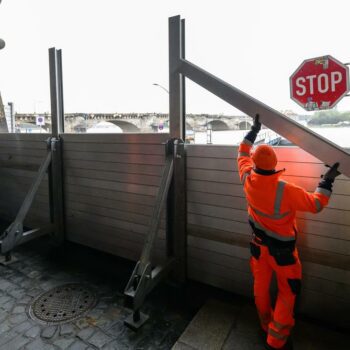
(113, 51)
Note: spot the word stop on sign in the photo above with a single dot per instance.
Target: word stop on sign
(322, 83)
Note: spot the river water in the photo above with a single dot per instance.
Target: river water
(338, 135)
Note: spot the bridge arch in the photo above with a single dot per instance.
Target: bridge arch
(218, 125)
(125, 126)
(189, 126)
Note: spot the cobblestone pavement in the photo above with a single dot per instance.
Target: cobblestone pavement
(39, 269)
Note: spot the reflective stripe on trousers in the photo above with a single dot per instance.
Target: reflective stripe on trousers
(281, 320)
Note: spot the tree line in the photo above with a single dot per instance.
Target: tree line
(329, 117)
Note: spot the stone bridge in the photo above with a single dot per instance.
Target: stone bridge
(140, 122)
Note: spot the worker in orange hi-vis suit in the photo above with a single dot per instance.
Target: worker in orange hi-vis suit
(272, 206)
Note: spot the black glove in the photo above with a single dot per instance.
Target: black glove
(329, 176)
(332, 172)
(255, 128)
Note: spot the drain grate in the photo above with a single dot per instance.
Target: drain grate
(62, 304)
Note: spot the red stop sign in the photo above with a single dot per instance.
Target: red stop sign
(319, 83)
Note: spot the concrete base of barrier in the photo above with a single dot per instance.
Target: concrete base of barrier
(210, 327)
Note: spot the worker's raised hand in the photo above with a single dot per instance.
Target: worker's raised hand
(255, 128)
(257, 125)
(332, 172)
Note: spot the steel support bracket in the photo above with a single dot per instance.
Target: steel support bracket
(15, 234)
(11, 236)
(135, 292)
(144, 278)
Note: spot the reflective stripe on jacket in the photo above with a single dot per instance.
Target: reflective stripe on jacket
(272, 203)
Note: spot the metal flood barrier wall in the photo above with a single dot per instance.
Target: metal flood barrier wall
(110, 186)
(219, 235)
(20, 158)
(110, 183)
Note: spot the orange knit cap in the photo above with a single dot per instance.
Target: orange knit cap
(265, 157)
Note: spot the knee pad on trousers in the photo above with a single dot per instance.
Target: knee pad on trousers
(295, 285)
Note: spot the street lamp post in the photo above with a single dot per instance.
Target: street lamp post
(12, 116)
(209, 133)
(167, 91)
(37, 113)
(161, 86)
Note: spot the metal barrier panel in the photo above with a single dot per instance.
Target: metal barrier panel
(218, 232)
(20, 159)
(111, 181)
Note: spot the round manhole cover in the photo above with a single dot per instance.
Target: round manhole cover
(62, 304)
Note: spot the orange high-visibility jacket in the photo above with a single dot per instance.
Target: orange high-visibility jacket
(272, 203)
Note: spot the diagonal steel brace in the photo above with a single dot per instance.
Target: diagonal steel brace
(144, 278)
(14, 234)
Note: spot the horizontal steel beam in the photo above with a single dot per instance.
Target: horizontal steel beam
(323, 149)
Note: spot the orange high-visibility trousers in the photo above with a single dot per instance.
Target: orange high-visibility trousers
(278, 322)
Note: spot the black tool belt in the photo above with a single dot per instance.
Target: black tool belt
(282, 251)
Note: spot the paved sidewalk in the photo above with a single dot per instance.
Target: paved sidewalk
(39, 270)
(200, 317)
(234, 325)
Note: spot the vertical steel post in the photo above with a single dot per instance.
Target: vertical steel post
(12, 116)
(53, 91)
(183, 82)
(176, 209)
(175, 79)
(56, 169)
(60, 93)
